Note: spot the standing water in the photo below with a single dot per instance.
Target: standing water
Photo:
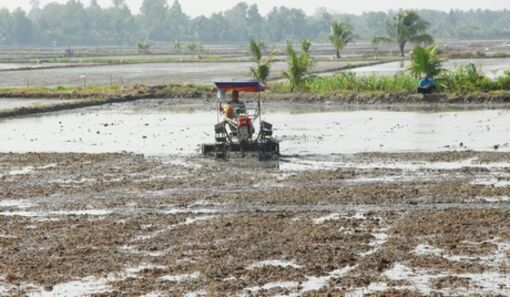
(150, 128)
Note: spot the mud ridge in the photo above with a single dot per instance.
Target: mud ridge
(51, 67)
(23, 111)
(161, 92)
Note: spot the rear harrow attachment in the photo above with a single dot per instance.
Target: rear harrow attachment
(264, 144)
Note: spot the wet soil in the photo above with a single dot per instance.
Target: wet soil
(128, 225)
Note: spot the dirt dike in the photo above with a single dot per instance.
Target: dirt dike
(86, 98)
(77, 99)
(392, 98)
(22, 111)
(136, 92)
(50, 67)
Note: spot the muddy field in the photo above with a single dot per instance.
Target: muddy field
(409, 224)
(417, 206)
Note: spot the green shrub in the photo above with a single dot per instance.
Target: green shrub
(504, 81)
(464, 79)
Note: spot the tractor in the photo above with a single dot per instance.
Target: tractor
(235, 129)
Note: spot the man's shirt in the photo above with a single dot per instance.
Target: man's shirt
(239, 107)
(426, 83)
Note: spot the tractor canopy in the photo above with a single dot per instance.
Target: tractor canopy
(241, 86)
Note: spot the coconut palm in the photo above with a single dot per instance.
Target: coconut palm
(195, 46)
(176, 44)
(407, 26)
(299, 66)
(426, 61)
(263, 66)
(341, 35)
(143, 47)
(306, 45)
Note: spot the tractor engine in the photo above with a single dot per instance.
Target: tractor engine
(245, 128)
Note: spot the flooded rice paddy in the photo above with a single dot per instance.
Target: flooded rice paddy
(492, 68)
(149, 74)
(9, 66)
(11, 103)
(157, 127)
(204, 72)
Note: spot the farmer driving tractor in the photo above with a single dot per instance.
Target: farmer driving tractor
(234, 107)
(235, 111)
(235, 130)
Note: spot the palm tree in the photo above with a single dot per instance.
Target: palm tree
(176, 44)
(143, 47)
(426, 61)
(407, 26)
(299, 66)
(306, 45)
(341, 35)
(261, 71)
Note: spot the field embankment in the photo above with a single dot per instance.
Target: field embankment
(93, 96)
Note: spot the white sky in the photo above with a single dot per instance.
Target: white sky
(201, 7)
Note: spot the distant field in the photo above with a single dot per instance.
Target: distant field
(489, 47)
(150, 74)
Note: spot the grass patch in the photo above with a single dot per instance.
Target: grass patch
(470, 79)
(348, 82)
(465, 79)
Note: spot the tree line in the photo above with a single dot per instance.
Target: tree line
(72, 23)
